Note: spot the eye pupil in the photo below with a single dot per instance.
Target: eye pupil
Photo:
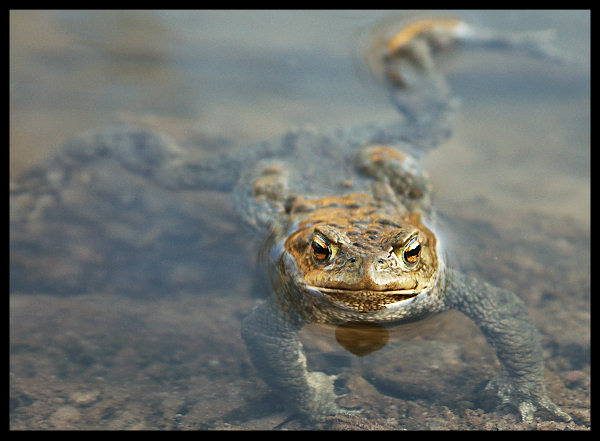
(412, 252)
(320, 248)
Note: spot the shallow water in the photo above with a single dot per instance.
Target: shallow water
(513, 185)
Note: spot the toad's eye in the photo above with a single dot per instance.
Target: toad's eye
(320, 248)
(412, 252)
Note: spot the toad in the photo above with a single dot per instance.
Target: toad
(353, 236)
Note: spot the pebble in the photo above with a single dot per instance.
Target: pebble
(64, 417)
(83, 398)
(575, 377)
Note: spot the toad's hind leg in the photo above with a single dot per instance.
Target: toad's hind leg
(409, 62)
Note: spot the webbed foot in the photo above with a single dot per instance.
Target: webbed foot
(526, 400)
(320, 399)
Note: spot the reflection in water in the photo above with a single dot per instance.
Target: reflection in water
(361, 338)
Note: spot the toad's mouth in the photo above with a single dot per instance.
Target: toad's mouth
(355, 294)
(364, 300)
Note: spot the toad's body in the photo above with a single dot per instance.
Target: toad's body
(348, 213)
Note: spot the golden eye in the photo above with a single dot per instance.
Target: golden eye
(412, 252)
(320, 248)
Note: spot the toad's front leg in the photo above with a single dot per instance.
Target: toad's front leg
(278, 356)
(503, 319)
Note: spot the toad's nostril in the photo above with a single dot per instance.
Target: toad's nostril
(380, 260)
